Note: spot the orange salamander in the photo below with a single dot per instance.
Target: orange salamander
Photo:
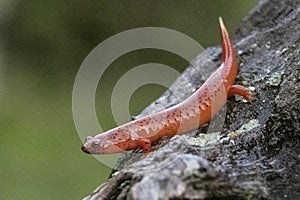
(186, 116)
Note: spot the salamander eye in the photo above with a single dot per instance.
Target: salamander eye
(88, 138)
(96, 142)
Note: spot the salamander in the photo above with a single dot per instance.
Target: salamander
(181, 118)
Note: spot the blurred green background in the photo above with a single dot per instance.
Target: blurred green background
(42, 45)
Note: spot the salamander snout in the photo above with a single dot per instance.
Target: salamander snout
(100, 144)
(84, 149)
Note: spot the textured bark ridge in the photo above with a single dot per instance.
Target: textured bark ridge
(257, 153)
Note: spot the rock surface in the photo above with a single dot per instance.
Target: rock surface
(252, 150)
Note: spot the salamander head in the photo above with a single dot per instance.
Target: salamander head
(101, 144)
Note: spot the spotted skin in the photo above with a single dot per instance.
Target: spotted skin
(186, 116)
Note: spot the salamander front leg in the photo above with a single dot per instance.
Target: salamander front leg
(241, 91)
(145, 144)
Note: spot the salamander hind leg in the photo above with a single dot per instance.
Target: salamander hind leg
(241, 91)
(145, 144)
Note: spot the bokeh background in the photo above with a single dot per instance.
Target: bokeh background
(42, 44)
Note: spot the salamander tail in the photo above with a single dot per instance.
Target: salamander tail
(226, 44)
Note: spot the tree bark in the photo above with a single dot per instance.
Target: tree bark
(257, 153)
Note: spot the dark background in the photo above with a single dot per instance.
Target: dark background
(42, 45)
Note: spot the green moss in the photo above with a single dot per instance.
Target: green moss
(204, 139)
(253, 123)
(275, 79)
